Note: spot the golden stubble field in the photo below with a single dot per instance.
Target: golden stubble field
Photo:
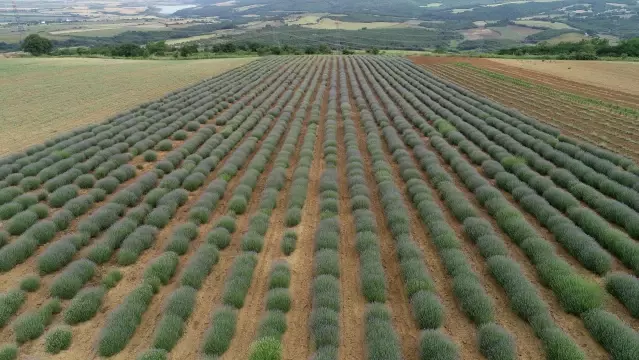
(43, 97)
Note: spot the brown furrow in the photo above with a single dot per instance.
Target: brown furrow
(296, 342)
(397, 299)
(570, 324)
(133, 274)
(353, 303)
(456, 324)
(248, 317)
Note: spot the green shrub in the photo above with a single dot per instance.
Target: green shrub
(558, 345)
(576, 294)
(372, 276)
(63, 194)
(293, 216)
(159, 217)
(252, 241)
(625, 288)
(111, 278)
(164, 145)
(162, 267)
(8, 210)
(280, 276)
(218, 338)
(62, 219)
(79, 205)
(289, 240)
(97, 194)
(326, 238)
(325, 327)
(141, 239)
(199, 266)
(327, 262)
(180, 135)
(4, 238)
(9, 193)
(427, 309)
(8, 352)
(71, 280)
(30, 283)
(58, 339)
(101, 219)
(495, 343)
(108, 184)
(434, 345)
(192, 126)
(85, 181)
(153, 354)
(238, 204)
(239, 280)
(278, 299)
(219, 237)
(10, 302)
(266, 349)
(21, 222)
(381, 340)
(31, 325)
(477, 305)
(227, 222)
(30, 183)
(168, 332)
(84, 305)
(273, 325)
(524, 299)
(150, 156)
(621, 341)
(324, 289)
(40, 209)
(124, 320)
(415, 276)
(491, 245)
(42, 232)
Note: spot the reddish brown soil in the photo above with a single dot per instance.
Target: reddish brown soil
(353, 305)
(509, 67)
(296, 343)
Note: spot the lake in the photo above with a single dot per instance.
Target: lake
(170, 9)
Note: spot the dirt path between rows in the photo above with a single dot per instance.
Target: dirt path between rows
(249, 316)
(353, 304)
(296, 342)
(397, 299)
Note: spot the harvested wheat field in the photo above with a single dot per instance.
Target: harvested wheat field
(44, 97)
(596, 114)
(327, 208)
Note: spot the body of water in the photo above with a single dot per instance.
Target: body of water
(170, 9)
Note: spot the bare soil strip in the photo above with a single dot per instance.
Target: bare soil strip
(397, 299)
(249, 316)
(296, 342)
(353, 304)
(456, 324)
(190, 344)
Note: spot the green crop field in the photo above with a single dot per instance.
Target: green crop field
(318, 207)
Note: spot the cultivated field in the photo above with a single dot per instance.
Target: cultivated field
(322, 208)
(43, 97)
(614, 75)
(605, 115)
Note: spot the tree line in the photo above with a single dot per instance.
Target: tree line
(590, 49)
(38, 45)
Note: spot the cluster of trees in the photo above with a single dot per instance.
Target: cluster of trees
(583, 50)
(38, 45)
